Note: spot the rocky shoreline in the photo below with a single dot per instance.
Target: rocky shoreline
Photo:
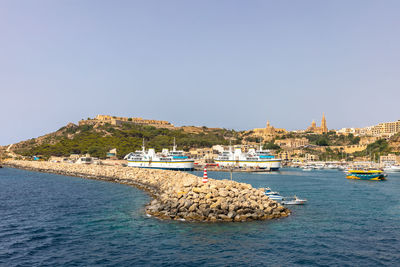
(177, 195)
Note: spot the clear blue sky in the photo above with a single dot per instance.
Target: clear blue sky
(232, 64)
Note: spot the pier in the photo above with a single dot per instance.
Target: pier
(177, 195)
(225, 169)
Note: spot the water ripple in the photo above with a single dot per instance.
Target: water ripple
(51, 220)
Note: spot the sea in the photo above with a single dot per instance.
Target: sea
(55, 220)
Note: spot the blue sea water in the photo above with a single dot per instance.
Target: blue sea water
(54, 220)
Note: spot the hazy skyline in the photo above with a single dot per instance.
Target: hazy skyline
(231, 64)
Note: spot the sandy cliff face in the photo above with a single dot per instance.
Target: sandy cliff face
(394, 143)
(47, 138)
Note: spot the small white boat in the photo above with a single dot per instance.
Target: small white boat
(273, 195)
(269, 191)
(293, 201)
(392, 168)
(331, 166)
(85, 160)
(319, 167)
(306, 169)
(342, 168)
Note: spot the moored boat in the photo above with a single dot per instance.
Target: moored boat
(392, 168)
(260, 159)
(293, 201)
(307, 168)
(273, 195)
(331, 166)
(85, 160)
(342, 168)
(166, 160)
(365, 174)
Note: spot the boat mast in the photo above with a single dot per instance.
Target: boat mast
(174, 147)
(143, 148)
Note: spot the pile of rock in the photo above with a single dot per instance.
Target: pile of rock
(178, 195)
(217, 200)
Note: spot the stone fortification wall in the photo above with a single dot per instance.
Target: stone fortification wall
(177, 195)
(103, 119)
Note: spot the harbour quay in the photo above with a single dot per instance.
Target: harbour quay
(176, 195)
(228, 169)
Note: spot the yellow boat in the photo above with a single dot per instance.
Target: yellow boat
(372, 175)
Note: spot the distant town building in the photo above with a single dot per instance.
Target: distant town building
(318, 130)
(347, 131)
(292, 142)
(218, 149)
(112, 154)
(202, 153)
(390, 159)
(382, 130)
(385, 129)
(310, 157)
(285, 155)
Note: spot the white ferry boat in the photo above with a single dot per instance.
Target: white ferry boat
(392, 168)
(261, 159)
(166, 160)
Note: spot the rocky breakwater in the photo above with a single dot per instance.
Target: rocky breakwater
(178, 195)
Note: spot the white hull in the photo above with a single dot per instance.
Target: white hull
(177, 165)
(262, 164)
(392, 169)
(166, 160)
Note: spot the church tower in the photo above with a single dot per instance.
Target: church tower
(324, 128)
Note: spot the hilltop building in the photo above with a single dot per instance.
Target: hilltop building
(269, 132)
(318, 130)
(113, 120)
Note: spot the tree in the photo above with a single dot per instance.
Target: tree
(322, 141)
(271, 145)
(355, 141)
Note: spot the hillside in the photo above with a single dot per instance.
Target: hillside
(97, 140)
(394, 142)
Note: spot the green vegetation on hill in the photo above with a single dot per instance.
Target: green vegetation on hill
(126, 138)
(271, 145)
(373, 151)
(328, 139)
(98, 140)
(376, 149)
